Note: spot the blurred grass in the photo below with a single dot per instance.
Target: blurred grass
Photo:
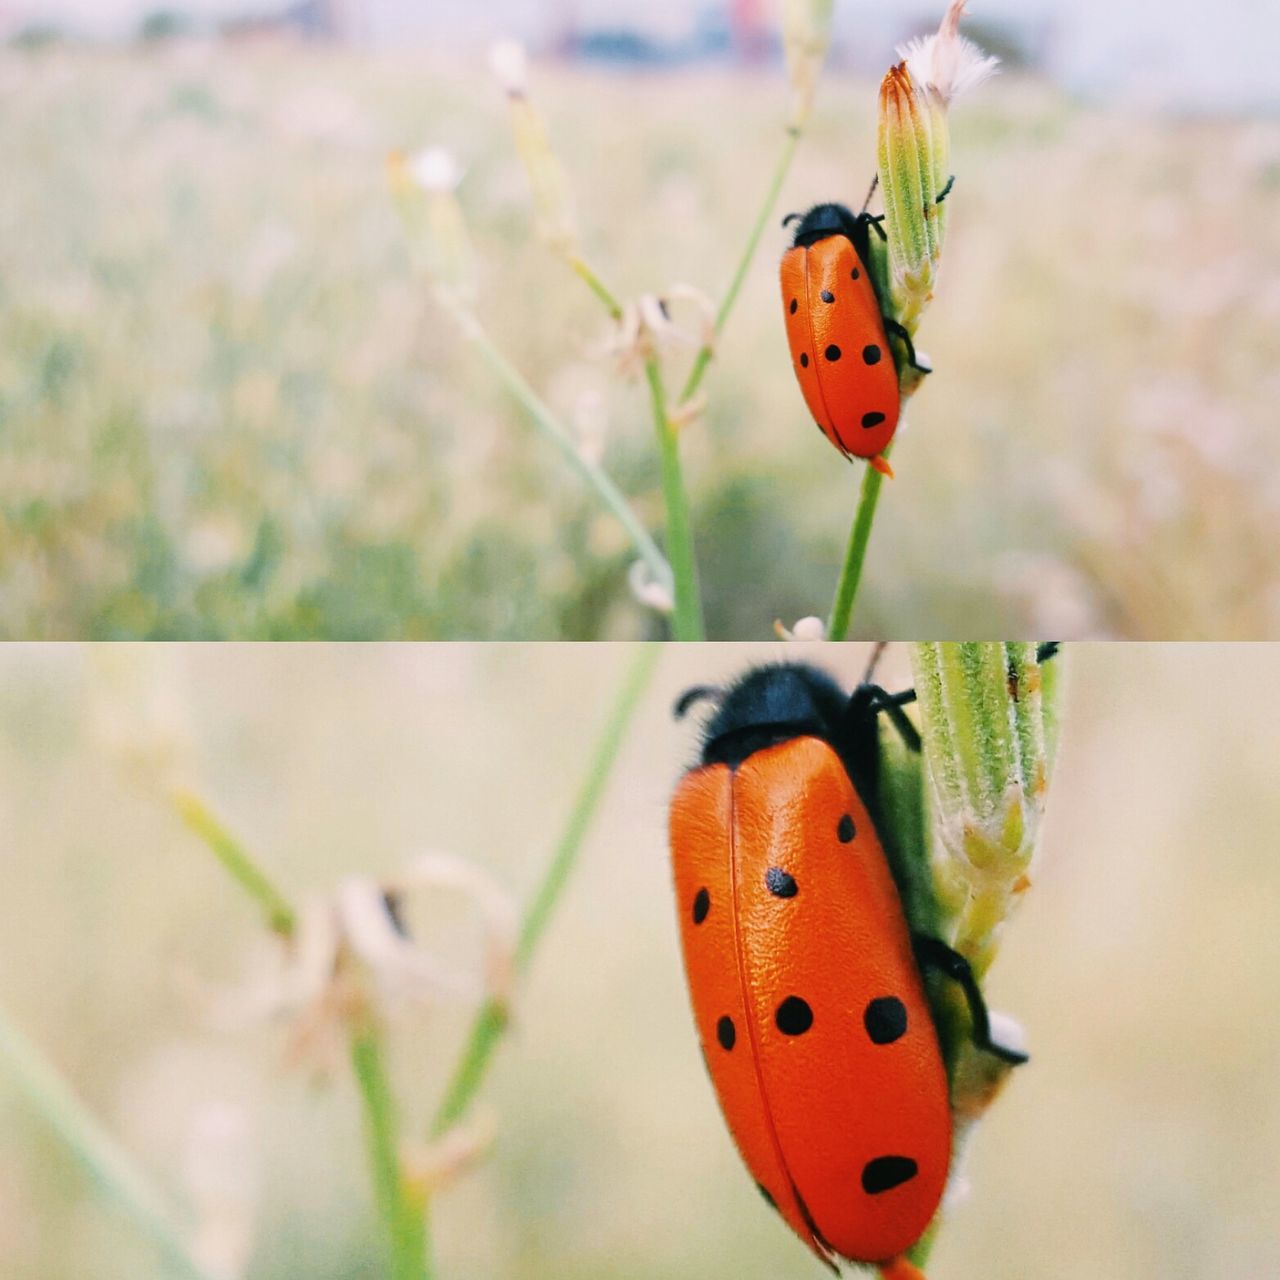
(1139, 1142)
(226, 409)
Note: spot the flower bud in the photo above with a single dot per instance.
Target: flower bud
(424, 188)
(550, 189)
(806, 33)
(914, 155)
(987, 717)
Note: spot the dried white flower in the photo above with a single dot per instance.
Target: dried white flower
(510, 66)
(435, 169)
(806, 630)
(646, 327)
(353, 945)
(946, 62)
(655, 595)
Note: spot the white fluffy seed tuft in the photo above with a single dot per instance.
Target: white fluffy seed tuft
(946, 62)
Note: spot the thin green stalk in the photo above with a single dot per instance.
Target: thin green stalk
(233, 856)
(686, 620)
(491, 1020)
(597, 286)
(404, 1214)
(705, 354)
(596, 477)
(855, 554)
(107, 1162)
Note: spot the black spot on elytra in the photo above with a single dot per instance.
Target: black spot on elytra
(794, 1017)
(870, 420)
(828, 296)
(871, 354)
(855, 274)
(780, 884)
(795, 303)
(833, 353)
(701, 905)
(844, 829)
(886, 1172)
(804, 360)
(885, 1019)
(726, 1033)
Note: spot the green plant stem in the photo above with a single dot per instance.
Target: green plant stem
(491, 1020)
(404, 1214)
(107, 1162)
(686, 620)
(597, 286)
(855, 554)
(233, 856)
(703, 359)
(558, 434)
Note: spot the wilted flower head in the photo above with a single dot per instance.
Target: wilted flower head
(352, 948)
(647, 327)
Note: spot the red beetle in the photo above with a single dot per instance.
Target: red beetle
(804, 976)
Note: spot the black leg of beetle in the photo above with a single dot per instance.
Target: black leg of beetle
(891, 704)
(898, 331)
(935, 954)
(946, 191)
(1049, 649)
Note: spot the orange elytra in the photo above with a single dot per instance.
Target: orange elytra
(838, 333)
(803, 974)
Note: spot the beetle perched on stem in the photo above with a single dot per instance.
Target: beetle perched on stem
(806, 976)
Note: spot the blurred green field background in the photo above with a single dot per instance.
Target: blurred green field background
(227, 407)
(1140, 1142)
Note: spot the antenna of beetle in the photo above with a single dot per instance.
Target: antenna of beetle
(699, 693)
(876, 653)
(875, 182)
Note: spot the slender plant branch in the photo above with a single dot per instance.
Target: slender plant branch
(855, 554)
(686, 620)
(491, 1020)
(559, 435)
(404, 1213)
(597, 286)
(235, 859)
(108, 1163)
(703, 359)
